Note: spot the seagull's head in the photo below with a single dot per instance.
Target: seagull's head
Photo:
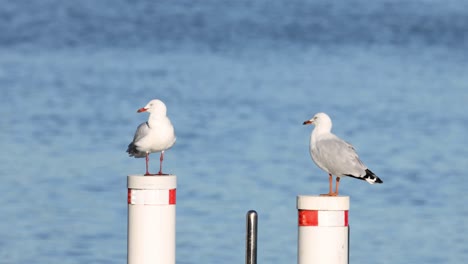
(154, 106)
(319, 119)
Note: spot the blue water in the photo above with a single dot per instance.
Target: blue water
(239, 78)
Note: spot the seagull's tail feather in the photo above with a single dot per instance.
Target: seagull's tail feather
(370, 177)
(133, 151)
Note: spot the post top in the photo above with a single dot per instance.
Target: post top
(323, 203)
(155, 182)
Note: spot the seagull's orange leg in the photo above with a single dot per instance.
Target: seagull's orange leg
(337, 185)
(160, 163)
(330, 185)
(147, 160)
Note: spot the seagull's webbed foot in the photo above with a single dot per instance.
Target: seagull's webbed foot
(329, 194)
(156, 174)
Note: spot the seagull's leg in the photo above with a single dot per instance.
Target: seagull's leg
(330, 185)
(336, 187)
(160, 163)
(147, 160)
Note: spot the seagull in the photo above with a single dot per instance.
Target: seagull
(155, 135)
(334, 155)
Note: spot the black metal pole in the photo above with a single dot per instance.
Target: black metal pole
(251, 239)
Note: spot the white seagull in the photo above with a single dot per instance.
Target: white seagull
(155, 135)
(334, 155)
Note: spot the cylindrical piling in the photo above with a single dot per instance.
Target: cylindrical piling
(323, 229)
(151, 219)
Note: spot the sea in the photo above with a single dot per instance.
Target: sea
(239, 78)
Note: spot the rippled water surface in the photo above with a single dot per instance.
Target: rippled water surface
(238, 78)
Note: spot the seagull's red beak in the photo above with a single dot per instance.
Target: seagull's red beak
(308, 122)
(142, 110)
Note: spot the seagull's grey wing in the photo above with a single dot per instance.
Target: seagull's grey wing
(141, 131)
(339, 157)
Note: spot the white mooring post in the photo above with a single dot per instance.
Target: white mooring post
(323, 229)
(151, 219)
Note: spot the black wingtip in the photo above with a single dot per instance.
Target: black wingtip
(371, 177)
(131, 149)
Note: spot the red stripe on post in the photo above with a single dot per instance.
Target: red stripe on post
(172, 196)
(308, 218)
(346, 218)
(129, 196)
